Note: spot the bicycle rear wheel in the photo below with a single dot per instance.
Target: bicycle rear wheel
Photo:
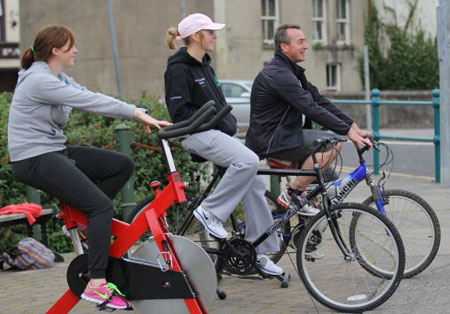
(343, 283)
(418, 226)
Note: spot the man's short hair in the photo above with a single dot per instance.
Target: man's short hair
(281, 35)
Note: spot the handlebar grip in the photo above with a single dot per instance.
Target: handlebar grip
(209, 125)
(188, 126)
(189, 121)
(363, 150)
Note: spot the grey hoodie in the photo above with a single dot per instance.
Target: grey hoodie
(41, 106)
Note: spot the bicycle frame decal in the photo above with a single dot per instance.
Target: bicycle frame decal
(291, 212)
(346, 185)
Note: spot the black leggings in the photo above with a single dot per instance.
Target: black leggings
(87, 179)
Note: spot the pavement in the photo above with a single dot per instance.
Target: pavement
(35, 291)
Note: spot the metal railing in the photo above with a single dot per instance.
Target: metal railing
(375, 102)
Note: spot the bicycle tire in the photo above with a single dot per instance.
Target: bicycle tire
(351, 288)
(410, 214)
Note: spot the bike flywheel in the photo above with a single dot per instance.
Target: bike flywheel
(197, 266)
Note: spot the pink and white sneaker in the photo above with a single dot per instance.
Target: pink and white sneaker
(106, 292)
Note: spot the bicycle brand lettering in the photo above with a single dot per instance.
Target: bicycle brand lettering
(343, 191)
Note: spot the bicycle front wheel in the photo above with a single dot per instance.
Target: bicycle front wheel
(347, 282)
(418, 226)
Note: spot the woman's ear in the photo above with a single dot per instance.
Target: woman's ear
(55, 51)
(196, 37)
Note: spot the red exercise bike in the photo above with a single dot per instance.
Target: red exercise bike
(165, 274)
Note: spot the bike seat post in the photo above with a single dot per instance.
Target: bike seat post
(168, 156)
(76, 241)
(71, 225)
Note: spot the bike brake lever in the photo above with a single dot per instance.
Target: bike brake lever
(382, 180)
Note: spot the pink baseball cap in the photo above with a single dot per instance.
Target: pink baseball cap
(196, 22)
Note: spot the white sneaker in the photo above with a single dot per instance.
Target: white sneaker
(316, 254)
(308, 210)
(285, 200)
(266, 265)
(211, 223)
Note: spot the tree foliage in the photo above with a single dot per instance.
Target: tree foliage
(400, 57)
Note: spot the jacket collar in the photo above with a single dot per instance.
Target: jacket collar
(298, 70)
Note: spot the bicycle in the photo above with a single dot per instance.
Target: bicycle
(414, 218)
(184, 223)
(379, 275)
(167, 273)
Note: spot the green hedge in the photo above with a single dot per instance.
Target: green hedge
(98, 131)
(400, 57)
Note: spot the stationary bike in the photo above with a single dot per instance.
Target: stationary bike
(165, 274)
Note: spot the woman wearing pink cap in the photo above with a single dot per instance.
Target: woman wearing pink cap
(190, 82)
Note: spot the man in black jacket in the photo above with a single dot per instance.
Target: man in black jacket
(283, 103)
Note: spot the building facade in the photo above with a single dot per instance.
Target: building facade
(9, 44)
(334, 29)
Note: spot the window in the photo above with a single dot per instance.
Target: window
(269, 19)
(319, 20)
(334, 77)
(342, 20)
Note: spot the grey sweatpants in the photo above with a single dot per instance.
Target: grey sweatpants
(239, 183)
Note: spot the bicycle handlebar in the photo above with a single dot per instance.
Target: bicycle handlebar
(209, 125)
(364, 149)
(323, 141)
(196, 123)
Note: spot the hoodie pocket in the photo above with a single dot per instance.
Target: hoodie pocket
(60, 114)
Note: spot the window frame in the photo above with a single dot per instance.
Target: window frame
(322, 19)
(345, 21)
(2, 21)
(329, 67)
(266, 18)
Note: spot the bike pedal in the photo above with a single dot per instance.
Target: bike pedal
(103, 308)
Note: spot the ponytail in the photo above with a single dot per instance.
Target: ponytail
(27, 58)
(172, 34)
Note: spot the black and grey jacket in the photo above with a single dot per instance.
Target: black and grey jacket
(281, 94)
(189, 84)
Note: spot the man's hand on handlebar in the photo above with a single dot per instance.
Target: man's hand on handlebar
(363, 133)
(149, 121)
(357, 139)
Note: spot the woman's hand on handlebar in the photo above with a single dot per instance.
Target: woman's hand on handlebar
(149, 121)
